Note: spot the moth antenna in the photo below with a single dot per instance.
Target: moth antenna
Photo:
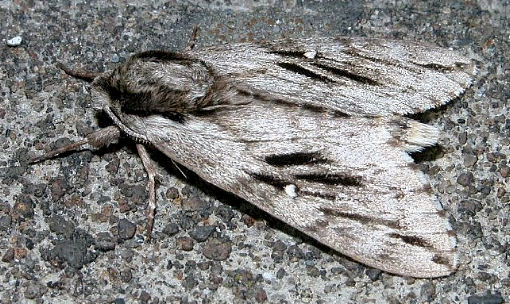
(192, 38)
(80, 74)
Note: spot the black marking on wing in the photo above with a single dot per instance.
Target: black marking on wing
(262, 97)
(411, 240)
(436, 67)
(296, 68)
(355, 53)
(295, 159)
(331, 179)
(344, 73)
(270, 180)
(290, 104)
(318, 109)
(294, 54)
(363, 219)
(439, 259)
(340, 114)
(314, 108)
(326, 196)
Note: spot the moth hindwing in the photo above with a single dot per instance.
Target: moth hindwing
(311, 131)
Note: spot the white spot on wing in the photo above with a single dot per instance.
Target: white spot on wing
(291, 190)
(310, 54)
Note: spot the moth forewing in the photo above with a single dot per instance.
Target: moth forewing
(307, 130)
(350, 186)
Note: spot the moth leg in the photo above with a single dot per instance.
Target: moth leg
(95, 140)
(80, 74)
(192, 38)
(151, 173)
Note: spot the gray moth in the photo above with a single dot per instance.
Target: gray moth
(312, 131)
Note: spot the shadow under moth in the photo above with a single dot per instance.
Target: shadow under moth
(311, 131)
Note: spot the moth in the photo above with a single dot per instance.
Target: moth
(315, 132)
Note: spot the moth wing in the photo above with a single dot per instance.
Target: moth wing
(347, 182)
(351, 75)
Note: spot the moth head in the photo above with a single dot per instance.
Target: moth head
(100, 97)
(105, 93)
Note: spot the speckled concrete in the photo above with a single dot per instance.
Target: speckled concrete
(71, 229)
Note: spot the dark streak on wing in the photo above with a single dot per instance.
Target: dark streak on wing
(431, 66)
(294, 54)
(353, 52)
(326, 196)
(291, 104)
(440, 259)
(295, 159)
(339, 114)
(331, 179)
(314, 108)
(262, 97)
(346, 74)
(365, 220)
(270, 180)
(435, 66)
(296, 68)
(411, 240)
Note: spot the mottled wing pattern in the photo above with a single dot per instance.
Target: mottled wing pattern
(345, 181)
(351, 75)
